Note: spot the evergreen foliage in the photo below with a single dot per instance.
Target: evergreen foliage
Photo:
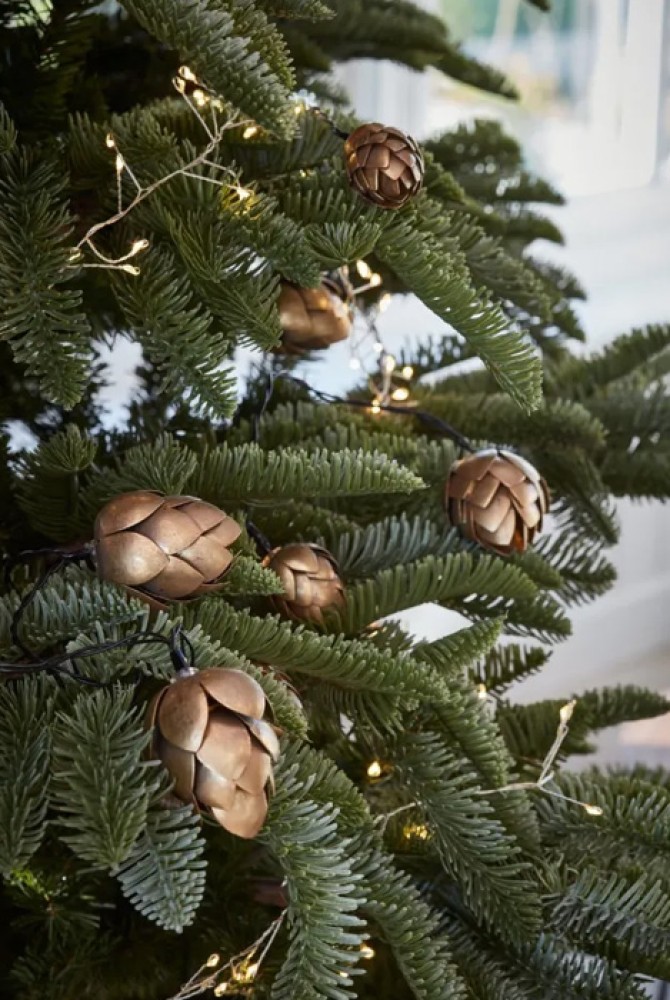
(465, 878)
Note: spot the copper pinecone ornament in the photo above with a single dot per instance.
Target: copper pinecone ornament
(497, 499)
(210, 734)
(384, 165)
(312, 318)
(170, 548)
(311, 582)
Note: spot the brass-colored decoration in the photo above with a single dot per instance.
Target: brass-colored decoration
(169, 548)
(311, 582)
(384, 165)
(497, 499)
(313, 318)
(210, 734)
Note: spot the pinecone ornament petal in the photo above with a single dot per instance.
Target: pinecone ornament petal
(311, 582)
(384, 165)
(220, 758)
(169, 548)
(497, 499)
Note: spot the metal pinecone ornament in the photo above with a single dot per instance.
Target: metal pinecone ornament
(209, 732)
(384, 165)
(170, 548)
(497, 499)
(311, 581)
(314, 318)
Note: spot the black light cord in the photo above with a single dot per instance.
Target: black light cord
(182, 654)
(425, 418)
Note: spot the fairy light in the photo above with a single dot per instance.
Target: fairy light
(407, 371)
(187, 74)
(375, 280)
(367, 951)
(384, 302)
(388, 364)
(375, 407)
(364, 269)
(220, 989)
(213, 961)
(74, 255)
(416, 831)
(245, 972)
(374, 769)
(242, 192)
(250, 131)
(120, 163)
(566, 711)
(400, 395)
(482, 692)
(200, 97)
(109, 141)
(138, 246)
(129, 269)
(592, 810)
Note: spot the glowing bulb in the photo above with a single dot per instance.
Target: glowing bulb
(482, 693)
(138, 246)
(375, 280)
(250, 131)
(379, 347)
(245, 973)
(343, 975)
(130, 269)
(200, 97)
(400, 395)
(187, 73)
(109, 141)
(407, 371)
(388, 364)
(242, 192)
(375, 768)
(367, 951)
(354, 363)
(375, 408)
(299, 108)
(418, 830)
(384, 302)
(220, 989)
(567, 710)
(364, 270)
(592, 810)
(213, 961)
(75, 254)
(179, 84)
(217, 104)
(120, 163)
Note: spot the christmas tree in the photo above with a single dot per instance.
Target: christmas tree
(320, 805)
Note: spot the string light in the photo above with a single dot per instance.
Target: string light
(138, 246)
(367, 951)
(250, 131)
(388, 364)
(375, 407)
(364, 269)
(213, 961)
(482, 692)
(220, 989)
(374, 769)
(109, 141)
(245, 973)
(375, 280)
(242, 192)
(384, 302)
(187, 74)
(120, 163)
(130, 269)
(566, 711)
(400, 395)
(407, 371)
(200, 97)
(592, 810)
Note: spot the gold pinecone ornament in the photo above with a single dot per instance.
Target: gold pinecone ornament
(497, 499)
(311, 581)
(210, 734)
(169, 548)
(313, 318)
(384, 165)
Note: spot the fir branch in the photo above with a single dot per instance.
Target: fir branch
(42, 317)
(164, 874)
(26, 710)
(101, 785)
